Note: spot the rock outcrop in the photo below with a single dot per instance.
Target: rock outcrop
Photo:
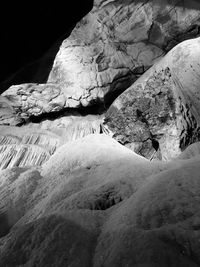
(70, 193)
(106, 52)
(116, 42)
(8, 114)
(158, 116)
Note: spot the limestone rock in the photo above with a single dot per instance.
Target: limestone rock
(191, 151)
(72, 125)
(74, 248)
(26, 147)
(8, 115)
(35, 99)
(116, 42)
(70, 196)
(159, 114)
(34, 143)
(156, 226)
(94, 206)
(105, 53)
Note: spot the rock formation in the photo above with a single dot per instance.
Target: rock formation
(84, 208)
(99, 165)
(159, 114)
(116, 42)
(26, 146)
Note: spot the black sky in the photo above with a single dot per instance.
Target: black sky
(28, 29)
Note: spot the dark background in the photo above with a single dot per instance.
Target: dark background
(28, 30)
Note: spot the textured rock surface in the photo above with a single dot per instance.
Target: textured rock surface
(8, 115)
(35, 99)
(191, 151)
(85, 209)
(72, 197)
(34, 143)
(162, 217)
(108, 50)
(159, 114)
(26, 146)
(116, 42)
(72, 125)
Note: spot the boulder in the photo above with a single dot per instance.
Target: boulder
(116, 42)
(105, 53)
(35, 99)
(158, 116)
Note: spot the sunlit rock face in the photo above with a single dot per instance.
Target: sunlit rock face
(35, 99)
(116, 42)
(158, 116)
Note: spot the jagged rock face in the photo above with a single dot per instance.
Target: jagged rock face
(108, 49)
(21, 102)
(116, 42)
(72, 197)
(95, 210)
(35, 99)
(158, 116)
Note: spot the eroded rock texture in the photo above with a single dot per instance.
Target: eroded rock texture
(70, 195)
(26, 146)
(116, 42)
(158, 116)
(108, 49)
(33, 144)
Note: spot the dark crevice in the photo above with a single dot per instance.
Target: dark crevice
(192, 32)
(106, 201)
(83, 111)
(113, 93)
(109, 195)
(96, 107)
(190, 133)
(104, 204)
(155, 144)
